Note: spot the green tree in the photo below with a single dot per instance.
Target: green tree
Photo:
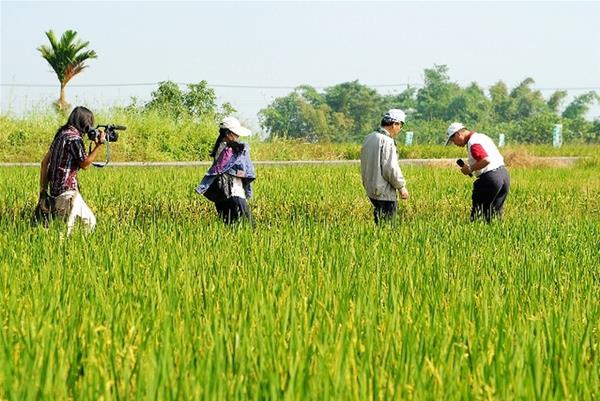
(198, 101)
(310, 95)
(323, 124)
(346, 112)
(502, 104)
(284, 117)
(537, 128)
(304, 114)
(168, 99)
(67, 58)
(527, 102)
(358, 102)
(405, 100)
(578, 108)
(436, 94)
(576, 127)
(471, 106)
(556, 99)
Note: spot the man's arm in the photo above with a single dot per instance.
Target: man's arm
(478, 165)
(481, 159)
(390, 168)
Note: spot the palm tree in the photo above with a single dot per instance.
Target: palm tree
(67, 58)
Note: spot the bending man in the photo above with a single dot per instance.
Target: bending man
(490, 189)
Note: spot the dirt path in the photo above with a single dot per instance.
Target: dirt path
(548, 161)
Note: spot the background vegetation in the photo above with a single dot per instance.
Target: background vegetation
(345, 112)
(181, 123)
(150, 136)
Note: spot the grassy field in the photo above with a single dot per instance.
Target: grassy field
(163, 302)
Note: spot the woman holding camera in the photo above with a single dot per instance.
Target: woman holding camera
(59, 170)
(228, 182)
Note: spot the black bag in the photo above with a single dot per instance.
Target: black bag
(220, 190)
(43, 209)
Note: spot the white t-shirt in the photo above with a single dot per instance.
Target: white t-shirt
(237, 189)
(481, 146)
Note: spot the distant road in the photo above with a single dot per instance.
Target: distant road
(559, 161)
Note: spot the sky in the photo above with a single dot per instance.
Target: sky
(275, 46)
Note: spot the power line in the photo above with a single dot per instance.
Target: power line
(188, 83)
(234, 86)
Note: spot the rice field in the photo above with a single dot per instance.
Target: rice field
(163, 302)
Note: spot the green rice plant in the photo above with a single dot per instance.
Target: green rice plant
(316, 303)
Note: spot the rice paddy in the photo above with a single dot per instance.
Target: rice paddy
(316, 303)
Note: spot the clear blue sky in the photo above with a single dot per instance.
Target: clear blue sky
(292, 43)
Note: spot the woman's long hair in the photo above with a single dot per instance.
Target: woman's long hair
(81, 118)
(236, 146)
(222, 133)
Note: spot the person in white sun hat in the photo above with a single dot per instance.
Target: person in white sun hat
(379, 167)
(484, 160)
(228, 182)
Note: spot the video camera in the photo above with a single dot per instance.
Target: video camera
(110, 130)
(111, 135)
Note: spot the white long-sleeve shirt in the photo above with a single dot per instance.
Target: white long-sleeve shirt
(380, 171)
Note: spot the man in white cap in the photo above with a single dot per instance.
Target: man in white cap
(380, 171)
(484, 160)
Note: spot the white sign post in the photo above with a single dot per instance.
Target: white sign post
(408, 140)
(557, 136)
(501, 140)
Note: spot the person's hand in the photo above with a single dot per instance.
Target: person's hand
(100, 139)
(466, 169)
(42, 204)
(404, 193)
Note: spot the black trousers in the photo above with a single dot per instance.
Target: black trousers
(489, 193)
(234, 209)
(384, 210)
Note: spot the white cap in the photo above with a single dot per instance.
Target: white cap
(233, 125)
(453, 129)
(396, 115)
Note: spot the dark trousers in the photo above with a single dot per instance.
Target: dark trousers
(384, 210)
(489, 193)
(233, 210)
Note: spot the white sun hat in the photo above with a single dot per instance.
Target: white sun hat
(233, 125)
(396, 115)
(453, 129)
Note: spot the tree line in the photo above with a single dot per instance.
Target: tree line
(348, 111)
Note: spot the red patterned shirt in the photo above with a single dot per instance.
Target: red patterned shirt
(66, 154)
